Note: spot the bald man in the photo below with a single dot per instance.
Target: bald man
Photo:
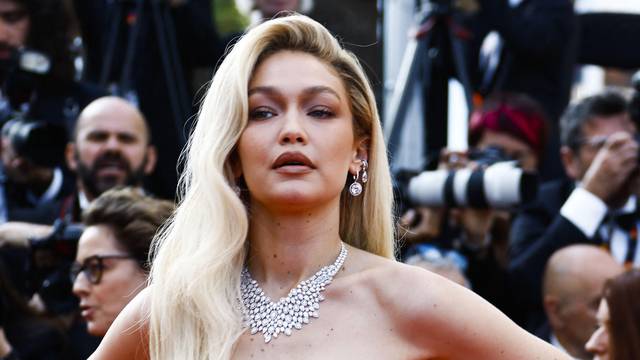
(572, 287)
(110, 147)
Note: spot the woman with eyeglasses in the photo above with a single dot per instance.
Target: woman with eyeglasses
(112, 258)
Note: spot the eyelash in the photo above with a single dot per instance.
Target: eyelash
(264, 113)
(323, 113)
(261, 113)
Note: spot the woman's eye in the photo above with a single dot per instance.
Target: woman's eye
(322, 113)
(261, 113)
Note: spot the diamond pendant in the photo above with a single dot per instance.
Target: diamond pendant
(292, 312)
(355, 189)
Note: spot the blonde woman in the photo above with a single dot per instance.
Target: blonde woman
(287, 195)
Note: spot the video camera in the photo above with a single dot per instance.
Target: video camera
(497, 182)
(50, 264)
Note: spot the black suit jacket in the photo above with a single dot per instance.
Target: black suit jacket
(537, 232)
(19, 208)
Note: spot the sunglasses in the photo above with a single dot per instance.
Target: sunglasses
(93, 267)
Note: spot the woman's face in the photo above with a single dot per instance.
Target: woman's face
(120, 278)
(598, 344)
(298, 146)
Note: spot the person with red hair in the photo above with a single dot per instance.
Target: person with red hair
(513, 126)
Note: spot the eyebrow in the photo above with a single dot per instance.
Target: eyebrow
(313, 90)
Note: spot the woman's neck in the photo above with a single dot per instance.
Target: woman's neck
(288, 248)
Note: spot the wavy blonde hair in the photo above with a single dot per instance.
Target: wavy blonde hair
(199, 254)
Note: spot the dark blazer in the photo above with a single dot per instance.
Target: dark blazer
(537, 232)
(19, 209)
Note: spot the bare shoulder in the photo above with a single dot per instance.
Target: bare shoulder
(128, 336)
(442, 317)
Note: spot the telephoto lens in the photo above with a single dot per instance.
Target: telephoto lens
(502, 185)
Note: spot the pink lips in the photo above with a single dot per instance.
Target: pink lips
(293, 161)
(86, 312)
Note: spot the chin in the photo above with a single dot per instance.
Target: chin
(96, 329)
(294, 200)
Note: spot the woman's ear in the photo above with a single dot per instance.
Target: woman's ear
(361, 152)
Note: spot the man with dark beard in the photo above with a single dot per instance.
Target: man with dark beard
(110, 147)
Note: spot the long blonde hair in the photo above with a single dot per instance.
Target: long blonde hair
(199, 254)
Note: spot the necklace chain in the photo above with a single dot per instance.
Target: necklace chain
(291, 312)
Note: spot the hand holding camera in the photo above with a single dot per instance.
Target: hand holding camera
(612, 171)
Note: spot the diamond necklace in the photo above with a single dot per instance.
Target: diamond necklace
(271, 319)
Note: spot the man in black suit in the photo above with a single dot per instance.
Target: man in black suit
(34, 183)
(595, 206)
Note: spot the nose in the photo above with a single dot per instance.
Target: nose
(293, 131)
(112, 143)
(597, 343)
(81, 285)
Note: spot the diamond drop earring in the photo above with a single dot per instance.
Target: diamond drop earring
(355, 189)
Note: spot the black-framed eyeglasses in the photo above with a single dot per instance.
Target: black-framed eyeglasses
(93, 267)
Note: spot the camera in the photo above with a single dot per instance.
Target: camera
(41, 142)
(497, 183)
(50, 264)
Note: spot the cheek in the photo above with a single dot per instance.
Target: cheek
(253, 150)
(135, 155)
(87, 152)
(115, 292)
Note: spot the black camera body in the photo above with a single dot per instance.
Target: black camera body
(50, 264)
(41, 142)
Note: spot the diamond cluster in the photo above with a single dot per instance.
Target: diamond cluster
(292, 312)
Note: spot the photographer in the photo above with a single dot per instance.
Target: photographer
(111, 146)
(36, 82)
(36, 65)
(509, 127)
(34, 182)
(598, 205)
(25, 335)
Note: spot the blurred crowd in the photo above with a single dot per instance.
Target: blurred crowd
(92, 132)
